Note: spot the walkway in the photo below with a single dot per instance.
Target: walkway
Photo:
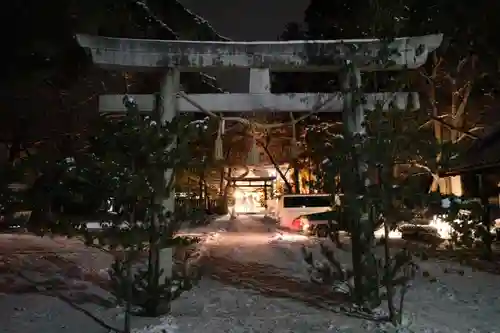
(245, 252)
(248, 252)
(253, 254)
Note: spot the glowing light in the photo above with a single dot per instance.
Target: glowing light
(246, 201)
(443, 228)
(238, 194)
(393, 234)
(241, 202)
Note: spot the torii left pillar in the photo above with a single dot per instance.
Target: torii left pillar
(168, 104)
(168, 110)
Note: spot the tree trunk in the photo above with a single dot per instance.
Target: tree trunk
(201, 189)
(438, 128)
(353, 184)
(296, 177)
(221, 183)
(486, 219)
(366, 281)
(277, 167)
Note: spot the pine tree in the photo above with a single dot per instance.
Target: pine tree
(126, 159)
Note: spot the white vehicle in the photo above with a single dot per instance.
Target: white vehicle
(291, 206)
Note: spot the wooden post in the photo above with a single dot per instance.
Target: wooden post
(486, 216)
(265, 194)
(206, 203)
(201, 191)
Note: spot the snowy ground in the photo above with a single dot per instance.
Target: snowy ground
(458, 300)
(450, 298)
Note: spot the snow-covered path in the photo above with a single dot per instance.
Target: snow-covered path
(264, 288)
(212, 307)
(445, 296)
(256, 239)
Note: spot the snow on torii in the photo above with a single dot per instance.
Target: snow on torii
(260, 58)
(316, 55)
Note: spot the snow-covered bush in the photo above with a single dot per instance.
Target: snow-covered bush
(330, 272)
(152, 298)
(469, 226)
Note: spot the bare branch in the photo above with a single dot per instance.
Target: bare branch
(461, 108)
(276, 166)
(426, 168)
(449, 126)
(155, 18)
(463, 135)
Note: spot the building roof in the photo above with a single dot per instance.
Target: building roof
(484, 154)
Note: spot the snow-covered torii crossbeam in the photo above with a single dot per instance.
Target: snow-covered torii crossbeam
(260, 99)
(317, 55)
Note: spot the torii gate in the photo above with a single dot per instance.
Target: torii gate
(174, 56)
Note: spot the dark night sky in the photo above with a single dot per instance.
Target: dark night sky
(247, 20)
